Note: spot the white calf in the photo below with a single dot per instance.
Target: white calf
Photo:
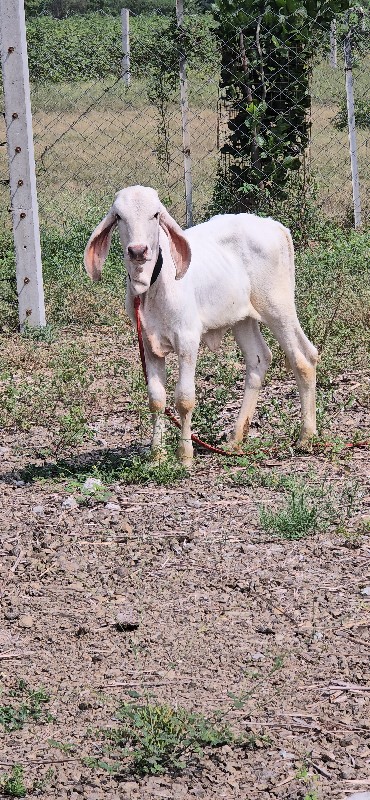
(236, 270)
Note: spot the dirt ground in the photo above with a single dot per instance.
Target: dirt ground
(272, 633)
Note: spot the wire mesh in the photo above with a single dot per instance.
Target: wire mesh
(93, 135)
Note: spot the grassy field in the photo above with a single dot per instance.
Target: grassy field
(93, 138)
(165, 634)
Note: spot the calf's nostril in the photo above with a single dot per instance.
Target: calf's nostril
(137, 251)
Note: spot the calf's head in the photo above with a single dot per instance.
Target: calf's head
(138, 214)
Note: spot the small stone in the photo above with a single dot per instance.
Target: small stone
(359, 796)
(19, 483)
(125, 526)
(127, 619)
(366, 591)
(26, 621)
(258, 656)
(70, 503)
(318, 636)
(114, 507)
(287, 755)
(4, 451)
(11, 614)
(121, 572)
(82, 630)
(39, 510)
(92, 485)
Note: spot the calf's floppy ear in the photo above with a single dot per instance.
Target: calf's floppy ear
(179, 246)
(98, 246)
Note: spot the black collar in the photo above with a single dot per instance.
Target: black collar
(157, 268)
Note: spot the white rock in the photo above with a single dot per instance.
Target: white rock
(92, 484)
(38, 510)
(25, 621)
(70, 503)
(287, 755)
(366, 592)
(4, 450)
(258, 656)
(113, 507)
(359, 796)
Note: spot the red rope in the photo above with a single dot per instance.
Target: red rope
(195, 438)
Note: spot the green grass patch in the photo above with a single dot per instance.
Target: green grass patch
(29, 708)
(153, 738)
(110, 467)
(12, 783)
(295, 520)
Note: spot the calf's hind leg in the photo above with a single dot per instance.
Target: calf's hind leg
(302, 357)
(257, 357)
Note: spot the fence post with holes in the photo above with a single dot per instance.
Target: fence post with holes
(333, 44)
(352, 130)
(185, 123)
(125, 22)
(23, 197)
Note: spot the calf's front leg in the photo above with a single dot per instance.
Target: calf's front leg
(156, 374)
(185, 400)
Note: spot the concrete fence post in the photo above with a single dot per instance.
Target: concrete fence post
(185, 124)
(125, 22)
(352, 130)
(333, 44)
(23, 197)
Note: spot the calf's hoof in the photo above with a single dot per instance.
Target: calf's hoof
(185, 455)
(235, 446)
(187, 463)
(305, 441)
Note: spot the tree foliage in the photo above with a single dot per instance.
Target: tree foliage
(89, 47)
(267, 54)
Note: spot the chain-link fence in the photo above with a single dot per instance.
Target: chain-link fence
(93, 134)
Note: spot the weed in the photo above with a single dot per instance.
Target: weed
(31, 709)
(294, 521)
(46, 333)
(154, 738)
(308, 780)
(216, 384)
(238, 700)
(109, 467)
(143, 470)
(12, 784)
(89, 487)
(73, 429)
(64, 747)
(352, 537)
(40, 784)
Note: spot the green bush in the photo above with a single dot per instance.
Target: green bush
(362, 115)
(89, 47)
(333, 280)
